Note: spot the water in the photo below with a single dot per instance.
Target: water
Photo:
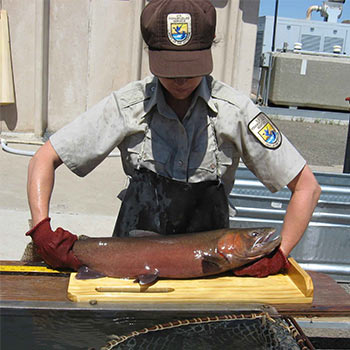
(61, 330)
(40, 329)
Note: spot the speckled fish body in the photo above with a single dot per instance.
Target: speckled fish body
(148, 257)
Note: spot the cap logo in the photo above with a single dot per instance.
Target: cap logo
(179, 28)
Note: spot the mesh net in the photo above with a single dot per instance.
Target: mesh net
(245, 331)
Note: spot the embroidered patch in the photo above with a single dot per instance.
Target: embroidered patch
(179, 28)
(265, 131)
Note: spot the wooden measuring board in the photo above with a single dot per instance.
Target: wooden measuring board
(292, 288)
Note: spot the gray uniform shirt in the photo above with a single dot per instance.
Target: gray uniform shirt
(206, 145)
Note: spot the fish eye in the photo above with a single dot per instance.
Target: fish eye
(254, 234)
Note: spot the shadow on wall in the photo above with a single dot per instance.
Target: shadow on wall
(220, 3)
(249, 16)
(8, 114)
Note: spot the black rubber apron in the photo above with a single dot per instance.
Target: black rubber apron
(156, 203)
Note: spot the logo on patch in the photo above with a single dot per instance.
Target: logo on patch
(179, 28)
(265, 131)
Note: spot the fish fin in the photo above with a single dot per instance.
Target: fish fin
(212, 264)
(85, 273)
(142, 233)
(146, 279)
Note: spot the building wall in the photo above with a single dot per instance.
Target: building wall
(68, 54)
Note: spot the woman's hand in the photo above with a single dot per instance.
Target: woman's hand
(55, 247)
(269, 265)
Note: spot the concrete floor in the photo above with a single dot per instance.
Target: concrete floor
(322, 145)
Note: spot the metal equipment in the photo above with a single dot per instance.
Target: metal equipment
(307, 79)
(322, 82)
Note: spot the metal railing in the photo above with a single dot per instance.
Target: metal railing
(20, 152)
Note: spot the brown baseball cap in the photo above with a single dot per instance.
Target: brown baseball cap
(179, 35)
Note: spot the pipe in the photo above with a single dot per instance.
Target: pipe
(274, 27)
(311, 9)
(42, 14)
(15, 151)
(256, 184)
(327, 268)
(19, 152)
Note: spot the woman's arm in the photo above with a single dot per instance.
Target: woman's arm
(40, 183)
(55, 247)
(305, 194)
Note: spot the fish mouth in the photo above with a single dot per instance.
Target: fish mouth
(272, 238)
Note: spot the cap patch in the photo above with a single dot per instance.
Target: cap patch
(179, 28)
(265, 131)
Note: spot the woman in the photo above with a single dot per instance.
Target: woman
(181, 135)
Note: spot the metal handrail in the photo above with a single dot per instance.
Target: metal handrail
(11, 150)
(20, 152)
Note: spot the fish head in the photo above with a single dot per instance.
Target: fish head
(248, 244)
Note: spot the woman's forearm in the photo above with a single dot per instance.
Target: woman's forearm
(305, 194)
(40, 183)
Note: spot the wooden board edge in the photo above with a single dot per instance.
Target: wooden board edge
(111, 299)
(300, 278)
(71, 296)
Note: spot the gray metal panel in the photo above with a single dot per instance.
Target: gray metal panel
(329, 42)
(335, 187)
(322, 80)
(311, 42)
(275, 208)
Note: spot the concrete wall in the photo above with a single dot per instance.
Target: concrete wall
(69, 54)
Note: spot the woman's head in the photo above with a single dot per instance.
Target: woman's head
(180, 88)
(179, 35)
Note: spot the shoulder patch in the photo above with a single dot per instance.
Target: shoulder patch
(265, 131)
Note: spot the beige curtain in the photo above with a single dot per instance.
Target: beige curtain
(6, 79)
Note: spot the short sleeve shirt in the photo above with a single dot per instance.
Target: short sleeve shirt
(207, 144)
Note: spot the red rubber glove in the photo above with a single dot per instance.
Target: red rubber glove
(268, 265)
(55, 247)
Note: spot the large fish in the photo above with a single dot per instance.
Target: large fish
(149, 255)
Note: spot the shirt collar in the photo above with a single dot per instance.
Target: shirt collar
(204, 91)
(151, 94)
(157, 99)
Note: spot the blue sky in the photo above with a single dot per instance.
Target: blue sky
(297, 9)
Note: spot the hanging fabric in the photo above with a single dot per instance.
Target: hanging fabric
(7, 95)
